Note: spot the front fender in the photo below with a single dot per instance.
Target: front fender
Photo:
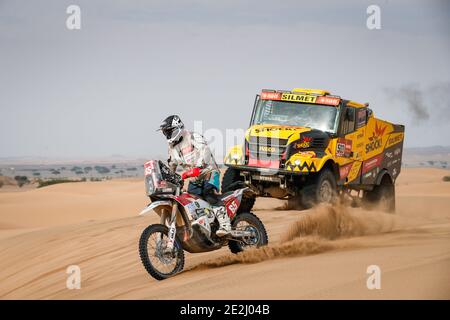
(154, 205)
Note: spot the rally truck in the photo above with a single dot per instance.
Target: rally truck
(308, 146)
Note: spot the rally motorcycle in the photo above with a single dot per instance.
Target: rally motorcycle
(187, 222)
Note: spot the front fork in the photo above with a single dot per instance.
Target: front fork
(172, 228)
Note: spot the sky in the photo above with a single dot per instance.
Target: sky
(104, 89)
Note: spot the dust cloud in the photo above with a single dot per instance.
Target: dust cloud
(313, 233)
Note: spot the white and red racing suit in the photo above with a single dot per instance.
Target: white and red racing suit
(190, 152)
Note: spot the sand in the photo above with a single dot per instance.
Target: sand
(321, 253)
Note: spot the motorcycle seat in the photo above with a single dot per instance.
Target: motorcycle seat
(224, 195)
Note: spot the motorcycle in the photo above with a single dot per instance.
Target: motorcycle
(188, 223)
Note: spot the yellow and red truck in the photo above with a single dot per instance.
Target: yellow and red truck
(308, 146)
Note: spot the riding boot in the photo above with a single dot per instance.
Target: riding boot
(224, 221)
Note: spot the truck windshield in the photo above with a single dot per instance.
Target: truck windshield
(315, 116)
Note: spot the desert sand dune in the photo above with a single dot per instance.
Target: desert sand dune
(322, 253)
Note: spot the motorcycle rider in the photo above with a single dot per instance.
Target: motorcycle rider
(190, 151)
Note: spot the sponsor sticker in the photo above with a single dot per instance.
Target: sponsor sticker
(305, 142)
(307, 154)
(375, 141)
(298, 98)
(267, 149)
(372, 163)
(328, 100)
(340, 149)
(343, 147)
(394, 139)
(271, 95)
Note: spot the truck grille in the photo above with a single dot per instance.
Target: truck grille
(267, 148)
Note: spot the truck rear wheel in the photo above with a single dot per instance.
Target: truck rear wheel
(382, 196)
(232, 176)
(323, 189)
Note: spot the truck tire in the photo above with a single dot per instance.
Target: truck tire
(382, 196)
(231, 176)
(322, 189)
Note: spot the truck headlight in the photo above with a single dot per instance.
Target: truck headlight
(297, 162)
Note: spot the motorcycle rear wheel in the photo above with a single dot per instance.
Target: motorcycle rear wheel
(249, 222)
(152, 245)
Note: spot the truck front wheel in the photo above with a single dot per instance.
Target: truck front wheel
(231, 176)
(322, 189)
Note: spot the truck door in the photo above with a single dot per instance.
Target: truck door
(350, 145)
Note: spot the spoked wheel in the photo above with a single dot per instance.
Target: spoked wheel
(248, 222)
(160, 262)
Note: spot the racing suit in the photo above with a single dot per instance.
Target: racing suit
(190, 152)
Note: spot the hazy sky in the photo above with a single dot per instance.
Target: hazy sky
(104, 89)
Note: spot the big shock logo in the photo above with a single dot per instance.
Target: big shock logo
(375, 141)
(305, 142)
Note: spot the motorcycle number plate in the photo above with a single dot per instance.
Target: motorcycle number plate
(148, 168)
(232, 208)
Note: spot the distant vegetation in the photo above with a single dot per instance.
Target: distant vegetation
(87, 169)
(446, 178)
(45, 183)
(21, 180)
(1, 184)
(101, 169)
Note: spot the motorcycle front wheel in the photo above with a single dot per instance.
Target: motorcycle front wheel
(160, 262)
